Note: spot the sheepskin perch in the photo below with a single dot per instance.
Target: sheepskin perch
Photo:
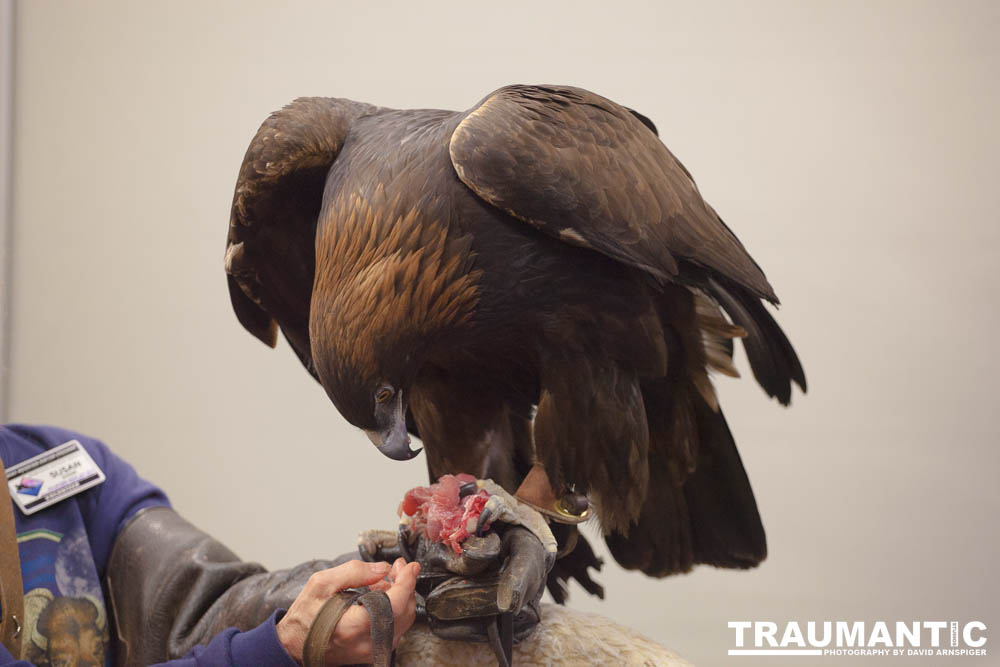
(565, 637)
(536, 279)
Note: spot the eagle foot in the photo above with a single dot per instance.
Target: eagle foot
(536, 492)
(575, 565)
(377, 545)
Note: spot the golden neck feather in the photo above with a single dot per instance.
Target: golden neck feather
(386, 275)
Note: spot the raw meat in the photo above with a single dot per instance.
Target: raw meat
(437, 513)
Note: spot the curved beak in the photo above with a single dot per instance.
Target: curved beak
(393, 440)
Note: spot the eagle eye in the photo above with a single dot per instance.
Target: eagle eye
(383, 394)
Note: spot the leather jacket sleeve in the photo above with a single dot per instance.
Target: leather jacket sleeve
(172, 587)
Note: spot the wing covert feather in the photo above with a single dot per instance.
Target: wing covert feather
(591, 173)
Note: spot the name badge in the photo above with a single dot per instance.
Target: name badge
(52, 476)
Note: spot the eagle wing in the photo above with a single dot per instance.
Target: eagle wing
(593, 173)
(270, 258)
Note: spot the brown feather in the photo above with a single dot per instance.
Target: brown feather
(717, 336)
(542, 139)
(269, 249)
(384, 281)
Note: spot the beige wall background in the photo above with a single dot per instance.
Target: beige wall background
(851, 145)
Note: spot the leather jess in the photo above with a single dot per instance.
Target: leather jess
(11, 587)
(382, 626)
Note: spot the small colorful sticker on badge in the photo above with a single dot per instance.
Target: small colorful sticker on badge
(29, 486)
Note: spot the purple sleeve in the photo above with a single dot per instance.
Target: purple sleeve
(230, 648)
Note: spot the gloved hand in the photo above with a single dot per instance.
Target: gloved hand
(501, 571)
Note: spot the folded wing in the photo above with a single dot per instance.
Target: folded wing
(592, 173)
(270, 256)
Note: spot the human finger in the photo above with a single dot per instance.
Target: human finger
(381, 585)
(396, 567)
(403, 600)
(352, 574)
(402, 588)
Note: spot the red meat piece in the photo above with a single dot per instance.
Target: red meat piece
(437, 513)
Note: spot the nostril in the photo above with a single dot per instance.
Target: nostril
(375, 437)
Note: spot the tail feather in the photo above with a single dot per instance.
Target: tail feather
(772, 357)
(699, 506)
(700, 512)
(725, 523)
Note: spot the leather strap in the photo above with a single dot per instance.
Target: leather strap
(500, 633)
(382, 627)
(11, 587)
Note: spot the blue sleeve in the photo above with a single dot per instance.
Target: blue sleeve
(230, 648)
(108, 506)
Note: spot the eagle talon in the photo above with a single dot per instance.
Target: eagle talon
(502, 506)
(403, 541)
(375, 544)
(484, 518)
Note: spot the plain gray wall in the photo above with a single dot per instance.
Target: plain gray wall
(6, 159)
(852, 146)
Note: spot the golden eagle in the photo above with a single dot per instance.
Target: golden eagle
(533, 282)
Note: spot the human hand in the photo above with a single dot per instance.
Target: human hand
(350, 642)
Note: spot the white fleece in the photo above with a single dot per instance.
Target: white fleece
(564, 637)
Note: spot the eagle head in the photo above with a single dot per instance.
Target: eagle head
(385, 294)
(366, 360)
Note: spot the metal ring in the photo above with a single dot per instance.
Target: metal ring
(563, 508)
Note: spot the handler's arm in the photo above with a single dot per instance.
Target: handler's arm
(174, 587)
